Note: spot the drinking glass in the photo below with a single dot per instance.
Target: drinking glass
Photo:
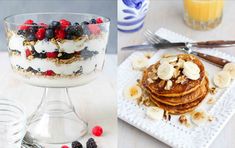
(12, 124)
(203, 14)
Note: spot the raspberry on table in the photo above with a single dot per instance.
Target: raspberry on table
(97, 131)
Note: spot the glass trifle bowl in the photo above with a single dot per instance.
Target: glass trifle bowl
(56, 51)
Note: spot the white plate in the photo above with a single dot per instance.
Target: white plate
(171, 132)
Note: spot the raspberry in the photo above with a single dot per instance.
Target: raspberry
(94, 29)
(60, 34)
(29, 22)
(43, 25)
(91, 143)
(49, 73)
(76, 144)
(64, 23)
(40, 34)
(97, 131)
(64, 146)
(52, 54)
(99, 20)
(28, 52)
(23, 27)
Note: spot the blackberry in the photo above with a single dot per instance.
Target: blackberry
(49, 33)
(70, 30)
(78, 31)
(93, 21)
(69, 37)
(91, 143)
(76, 144)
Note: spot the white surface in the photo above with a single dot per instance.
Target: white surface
(194, 137)
(95, 101)
(168, 14)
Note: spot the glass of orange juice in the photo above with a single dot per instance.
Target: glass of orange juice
(203, 14)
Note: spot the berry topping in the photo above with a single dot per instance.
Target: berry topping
(55, 24)
(49, 73)
(28, 52)
(23, 27)
(76, 144)
(29, 22)
(40, 34)
(64, 146)
(94, 29)
(31, 37)
(85, 23)
(60, 34)
(49, 33)
(43, 25)
(99, 20)
(75, 24)
(91, 143)
(64, 23)
(97, 131)
(52, 54)
(93, 21)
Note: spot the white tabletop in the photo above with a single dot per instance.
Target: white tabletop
(96, 102)
(168, 14)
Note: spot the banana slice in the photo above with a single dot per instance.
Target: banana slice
(169, 59)
(154, 113)
(165, 71)
(140, 63)
(133, 92)
(191, 70)
(230, 67)
(222, 79)
(199, 117)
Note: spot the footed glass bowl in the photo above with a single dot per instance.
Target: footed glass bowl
(56, 51)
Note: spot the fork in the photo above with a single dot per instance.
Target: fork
(153, 39)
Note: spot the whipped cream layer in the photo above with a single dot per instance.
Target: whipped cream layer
(69, 46)
(64, 69)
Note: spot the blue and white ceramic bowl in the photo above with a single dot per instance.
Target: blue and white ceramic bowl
(131, 14)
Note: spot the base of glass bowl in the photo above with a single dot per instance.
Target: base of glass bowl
(56, 121)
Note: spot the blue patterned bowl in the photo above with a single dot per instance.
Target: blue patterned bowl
(131, 14)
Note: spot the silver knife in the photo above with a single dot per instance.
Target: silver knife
(164, 45)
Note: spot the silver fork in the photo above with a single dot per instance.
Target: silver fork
(153, 39)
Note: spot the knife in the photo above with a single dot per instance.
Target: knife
(164, 45)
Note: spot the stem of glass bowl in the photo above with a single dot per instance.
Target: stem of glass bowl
(55, 121)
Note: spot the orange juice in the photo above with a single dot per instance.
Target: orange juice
(203, 14)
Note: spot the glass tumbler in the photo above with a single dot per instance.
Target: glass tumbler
(12, 124)
(203, 14)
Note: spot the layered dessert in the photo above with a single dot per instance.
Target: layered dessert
(60, 53)
(177, 84)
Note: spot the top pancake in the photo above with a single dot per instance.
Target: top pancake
(177, 89)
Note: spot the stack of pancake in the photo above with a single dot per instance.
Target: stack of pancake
(183, 96)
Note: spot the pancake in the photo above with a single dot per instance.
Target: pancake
(183, 108)
(173, 101)
(177, 89)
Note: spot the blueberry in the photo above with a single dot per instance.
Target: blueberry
(21, 32)
(76, 24)
(85, 23)
(93, 21)
(55, 24)
(69, 37)
(49, 33)
(33, 29)
(31, 37)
